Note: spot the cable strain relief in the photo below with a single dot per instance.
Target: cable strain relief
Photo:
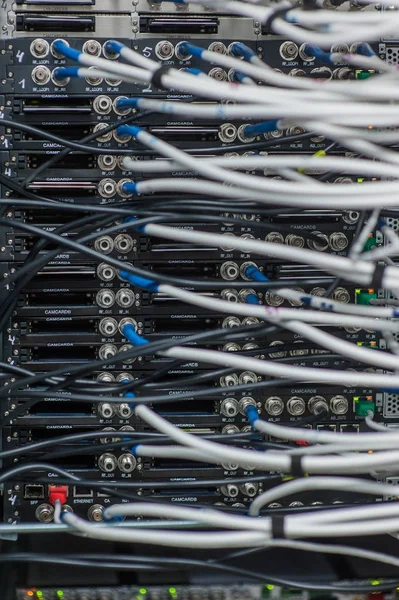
(156, 78)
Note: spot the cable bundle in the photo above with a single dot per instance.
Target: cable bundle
(360, 119)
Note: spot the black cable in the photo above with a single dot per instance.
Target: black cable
(126, 435)
(79, 247)
(202, 377)
(64, 228)
(90, 450)
(41, 134)
(75, 561)
(249, 387)
(222, 334)
(15, 187)
(58, 383)
(92, 136)
(95, 399)
(187, 203)
(132, 562)
(39, 246)
(121, 387)
(133, 353)
(150, 348)
(262, 225)
(47, 135)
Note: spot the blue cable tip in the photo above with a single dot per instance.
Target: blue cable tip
(249, 271)
(127, 102)
(133, 219)
(240, 49)
(125, 130)
(59, 46)
(187, 48)
(236, 49)
(134, 338)
(128, 328)
(183, 48)
(113, 47)
(365, 49)
(142, 282)
(239, 77)
(253, 273)
(252, 414)
(116, 519)
(129, 187)
(62, 48)
(311, 50)
(124, 274)
(62, 72)
(193, 71)
(252, 299)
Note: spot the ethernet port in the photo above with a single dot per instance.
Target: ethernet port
(81, 492)
(330, 428)
(349, 428)
(34, 491)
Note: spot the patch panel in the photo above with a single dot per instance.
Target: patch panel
(73, 309)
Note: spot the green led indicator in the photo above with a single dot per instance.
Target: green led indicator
(60, 593)
(172, 591)
(39, 593)
(375, 582)
(143, 591)
(270, 587)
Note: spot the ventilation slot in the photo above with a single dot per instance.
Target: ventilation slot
(392, 56)
(391, 405)
(393, 223)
